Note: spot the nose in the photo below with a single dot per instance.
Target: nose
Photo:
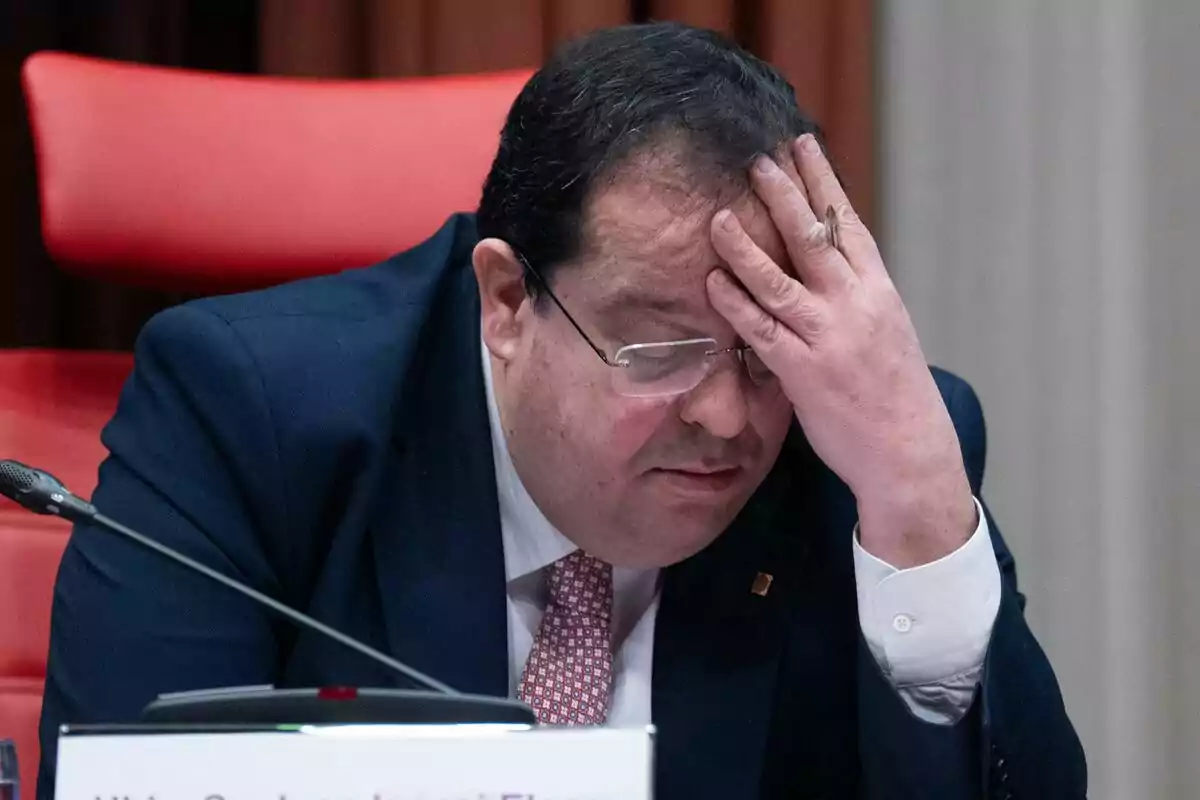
(718, 404)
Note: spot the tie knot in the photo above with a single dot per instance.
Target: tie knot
(583, 584)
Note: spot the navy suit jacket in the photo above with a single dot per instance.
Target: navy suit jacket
(327, 442)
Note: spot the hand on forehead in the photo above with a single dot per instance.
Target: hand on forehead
(651, 233)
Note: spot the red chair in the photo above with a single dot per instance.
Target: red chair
(203, 183)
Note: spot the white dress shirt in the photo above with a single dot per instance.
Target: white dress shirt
(928, 627)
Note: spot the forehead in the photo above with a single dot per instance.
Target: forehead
(647, 242)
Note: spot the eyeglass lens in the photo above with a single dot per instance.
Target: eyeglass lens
(665, 368)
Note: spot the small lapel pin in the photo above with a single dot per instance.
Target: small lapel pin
(761, 584)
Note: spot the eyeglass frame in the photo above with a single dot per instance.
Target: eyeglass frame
(739, 351)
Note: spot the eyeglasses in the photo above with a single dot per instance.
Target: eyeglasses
(662, 369)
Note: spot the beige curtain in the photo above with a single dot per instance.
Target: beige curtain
(824, 46)
(1040, 189)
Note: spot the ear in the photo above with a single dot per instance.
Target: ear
(501, 279)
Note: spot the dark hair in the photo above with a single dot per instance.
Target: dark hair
(610, 95)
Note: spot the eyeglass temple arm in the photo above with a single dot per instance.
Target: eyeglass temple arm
(546, 287)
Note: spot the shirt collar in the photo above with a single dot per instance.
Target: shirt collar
(531, 543)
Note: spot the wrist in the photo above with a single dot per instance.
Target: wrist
(914, 523)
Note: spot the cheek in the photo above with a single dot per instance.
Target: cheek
(585, 421)
(771, 417)
(634, 424)
(610, 432)
(603, 430)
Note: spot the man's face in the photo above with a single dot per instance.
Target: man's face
(636, 481)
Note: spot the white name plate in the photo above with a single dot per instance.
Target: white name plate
(465, 762)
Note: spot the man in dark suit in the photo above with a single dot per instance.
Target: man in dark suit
(659, 392)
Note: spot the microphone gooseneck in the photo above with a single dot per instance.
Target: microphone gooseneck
(42, 493)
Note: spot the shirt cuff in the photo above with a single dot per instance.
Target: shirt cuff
(930, 624)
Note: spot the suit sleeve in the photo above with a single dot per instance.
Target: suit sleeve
(193, 464)
(1017, 740)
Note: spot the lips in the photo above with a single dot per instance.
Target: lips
(704, 470)
(701, 478)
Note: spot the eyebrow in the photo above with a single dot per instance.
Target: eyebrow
(631, 299)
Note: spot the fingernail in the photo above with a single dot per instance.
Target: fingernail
(725, 220)
(808, 143)
(719, 278)
(763, 165)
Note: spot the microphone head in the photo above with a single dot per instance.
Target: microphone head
(40, 492)
(16, 478)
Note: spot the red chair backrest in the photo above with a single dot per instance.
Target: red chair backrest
(205, 182)
(52, 405)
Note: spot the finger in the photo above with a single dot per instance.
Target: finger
(817, 262)
(775, 343)
(826, 191)
(787, 162)
(782, 296)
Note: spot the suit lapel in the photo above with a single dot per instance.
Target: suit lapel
(439, 555)
(717, 652)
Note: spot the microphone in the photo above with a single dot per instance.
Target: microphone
(42, 493)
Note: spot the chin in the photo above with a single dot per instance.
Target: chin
(667, 525)
(670, 538)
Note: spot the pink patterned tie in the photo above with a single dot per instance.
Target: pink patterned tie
(568, 677)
